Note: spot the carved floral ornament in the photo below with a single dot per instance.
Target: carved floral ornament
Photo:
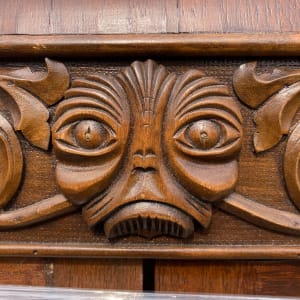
(147, 152)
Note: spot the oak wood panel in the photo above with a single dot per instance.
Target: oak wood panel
(22, 271)
(98, 274)
(76, 273)
(158, 16)
(252, 278)
(238, 15)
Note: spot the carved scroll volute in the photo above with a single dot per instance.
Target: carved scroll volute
(11, 165)
(292, 165)
(203, 136)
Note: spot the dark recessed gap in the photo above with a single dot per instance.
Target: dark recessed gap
(148, 275)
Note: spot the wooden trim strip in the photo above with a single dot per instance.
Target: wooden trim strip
(158, 252)
(192, 45)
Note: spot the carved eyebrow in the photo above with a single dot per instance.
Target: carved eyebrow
(86, 102)
(97, 96)
(101, 83)
(224, 103)
(194, 91)
(198, 95)
(101, 92)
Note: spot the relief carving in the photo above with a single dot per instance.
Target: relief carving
(30, 93)
(153, 119)
(147, 152)
(276, 97)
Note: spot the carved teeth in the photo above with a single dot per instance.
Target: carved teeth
(138, 219)
(148, 228)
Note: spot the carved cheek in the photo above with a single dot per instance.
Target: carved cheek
(209, 181)
(89, 154)
(82, 184)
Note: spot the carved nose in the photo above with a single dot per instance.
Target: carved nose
(144, 160)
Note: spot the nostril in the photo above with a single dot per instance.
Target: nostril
(144, 161)
(144, 153)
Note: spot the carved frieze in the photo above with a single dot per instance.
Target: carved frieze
(147, 151)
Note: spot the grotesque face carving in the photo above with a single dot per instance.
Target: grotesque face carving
(147, 151)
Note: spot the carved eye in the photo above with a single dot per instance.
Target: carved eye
(207, 137)
(202, 134)
(87, 134)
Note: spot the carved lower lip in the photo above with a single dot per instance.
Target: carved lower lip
(149, 219)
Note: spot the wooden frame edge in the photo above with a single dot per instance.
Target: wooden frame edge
(192, 45)
(162, 252)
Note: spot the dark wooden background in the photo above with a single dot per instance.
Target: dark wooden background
(155, 16)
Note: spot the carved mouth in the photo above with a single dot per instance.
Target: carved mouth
(149, 219)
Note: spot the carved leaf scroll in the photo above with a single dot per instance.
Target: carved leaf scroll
(27, 89)
(280, 90)
(254, 89)
(29, 115)
(274, 119)
(279, 94)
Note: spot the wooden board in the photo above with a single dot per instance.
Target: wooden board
(159, 16)
(273, 278)
(75, 273)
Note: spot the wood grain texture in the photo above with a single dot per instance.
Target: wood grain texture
(159, 16)
(40, 17)
(22, 271)
(98, 274)
(252, 278)
(76, 273)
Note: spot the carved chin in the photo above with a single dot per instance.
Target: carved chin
(149, 219)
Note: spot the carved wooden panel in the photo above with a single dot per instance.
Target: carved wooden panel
(140, 157)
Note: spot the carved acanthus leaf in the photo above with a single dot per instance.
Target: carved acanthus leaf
(280, 90)
(274, 119)
(48, 86)
(254, 89)
(29, 115)
(27, 88)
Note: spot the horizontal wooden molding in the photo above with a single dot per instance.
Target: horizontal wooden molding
(192, 45)
(153, 252)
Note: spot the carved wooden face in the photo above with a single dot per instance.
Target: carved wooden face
(147, 151)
